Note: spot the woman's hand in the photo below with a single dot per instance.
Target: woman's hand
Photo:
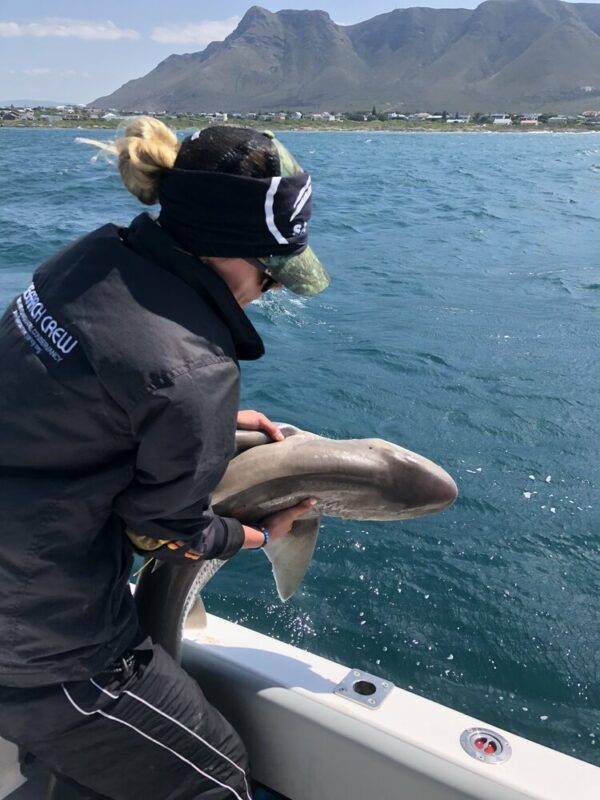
(255, 421)
(278, 524)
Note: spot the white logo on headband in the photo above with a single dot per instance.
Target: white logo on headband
(301, 200)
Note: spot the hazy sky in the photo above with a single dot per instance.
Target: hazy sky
(72, 51)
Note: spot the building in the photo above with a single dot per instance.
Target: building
(501, 119)
(530, 120)
(558, 120)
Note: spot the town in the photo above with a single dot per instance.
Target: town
(84, 116)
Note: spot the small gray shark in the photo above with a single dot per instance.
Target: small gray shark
(362, 479)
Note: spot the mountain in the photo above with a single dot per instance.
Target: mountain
(518, 55)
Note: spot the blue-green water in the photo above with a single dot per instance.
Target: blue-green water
(462, 323)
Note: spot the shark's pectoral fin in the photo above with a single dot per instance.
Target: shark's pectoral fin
(291, 555)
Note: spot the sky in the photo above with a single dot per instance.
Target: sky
(70, 51)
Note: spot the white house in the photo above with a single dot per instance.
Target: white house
(501, 119)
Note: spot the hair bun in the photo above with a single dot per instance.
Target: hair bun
(147, 148)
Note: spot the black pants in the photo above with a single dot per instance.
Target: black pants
(143, 729)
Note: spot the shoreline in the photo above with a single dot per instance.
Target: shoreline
(422, 129)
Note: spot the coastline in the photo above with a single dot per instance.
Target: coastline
(378, 127)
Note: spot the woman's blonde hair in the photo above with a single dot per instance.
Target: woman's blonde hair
(146, 149)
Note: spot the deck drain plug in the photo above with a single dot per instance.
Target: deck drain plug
(485, 745)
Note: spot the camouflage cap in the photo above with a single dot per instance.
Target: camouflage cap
(303, 273)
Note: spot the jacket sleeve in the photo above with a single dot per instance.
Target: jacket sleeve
(185, 429)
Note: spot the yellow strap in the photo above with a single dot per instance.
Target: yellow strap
(145, 542)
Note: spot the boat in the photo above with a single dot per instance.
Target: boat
(317, 729)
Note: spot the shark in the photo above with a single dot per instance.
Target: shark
(359, 479)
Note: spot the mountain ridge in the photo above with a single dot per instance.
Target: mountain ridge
(520, 55)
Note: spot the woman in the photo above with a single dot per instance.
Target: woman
(119, 367)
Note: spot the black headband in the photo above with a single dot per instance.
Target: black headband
(218, 214)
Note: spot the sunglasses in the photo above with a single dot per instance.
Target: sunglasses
(267, 283)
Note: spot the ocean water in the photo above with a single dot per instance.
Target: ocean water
(462, 323)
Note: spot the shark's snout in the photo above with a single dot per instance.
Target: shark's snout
(434, 491)
(417, 483)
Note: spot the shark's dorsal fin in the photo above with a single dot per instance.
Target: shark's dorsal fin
(291, 555)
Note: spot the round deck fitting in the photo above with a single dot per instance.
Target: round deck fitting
(485, 745)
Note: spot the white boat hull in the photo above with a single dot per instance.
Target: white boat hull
(308, 743)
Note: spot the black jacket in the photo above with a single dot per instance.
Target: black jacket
(119, 393)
